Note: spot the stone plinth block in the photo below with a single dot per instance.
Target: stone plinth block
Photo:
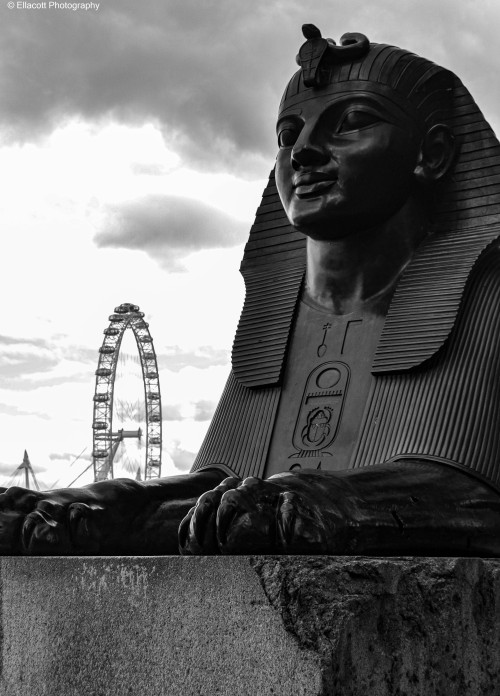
(250, 625)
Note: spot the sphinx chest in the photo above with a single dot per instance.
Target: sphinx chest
(325, 388)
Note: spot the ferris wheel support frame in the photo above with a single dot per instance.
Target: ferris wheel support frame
(126, 316)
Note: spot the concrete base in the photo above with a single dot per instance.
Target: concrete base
(249, 625)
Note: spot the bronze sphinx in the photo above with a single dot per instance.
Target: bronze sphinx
(369, 391)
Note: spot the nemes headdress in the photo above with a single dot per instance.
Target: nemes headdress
(426, 301)
(419, 86)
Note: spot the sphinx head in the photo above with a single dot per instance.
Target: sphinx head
(362, 129)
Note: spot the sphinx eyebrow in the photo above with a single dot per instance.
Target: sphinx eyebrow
(341, 108)
(378, 104)
(360, 102)
(295, 119)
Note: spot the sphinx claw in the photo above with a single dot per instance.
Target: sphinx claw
(287, 516)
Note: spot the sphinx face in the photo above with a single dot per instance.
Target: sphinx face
(346, 162)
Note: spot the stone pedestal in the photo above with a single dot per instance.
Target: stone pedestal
(249, 625)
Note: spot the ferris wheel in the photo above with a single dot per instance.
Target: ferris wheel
(106, 439)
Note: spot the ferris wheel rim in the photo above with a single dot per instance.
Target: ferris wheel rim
(126, 316)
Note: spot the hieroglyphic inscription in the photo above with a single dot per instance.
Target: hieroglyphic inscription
(321, 408)
(348, 326)
(322, 346)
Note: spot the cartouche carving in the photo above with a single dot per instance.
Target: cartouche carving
(389, 205)
(321, 407)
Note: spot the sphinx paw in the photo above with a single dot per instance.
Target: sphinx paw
(44, 531)
(253, 516)
(197, 531)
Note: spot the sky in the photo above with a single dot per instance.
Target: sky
(135, 141)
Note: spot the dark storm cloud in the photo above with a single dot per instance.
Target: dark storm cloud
(210, 73)
(194, 68)
(164, 226)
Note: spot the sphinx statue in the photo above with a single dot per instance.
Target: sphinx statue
(362, 412)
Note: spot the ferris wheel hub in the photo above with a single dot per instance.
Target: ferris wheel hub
(106, 441)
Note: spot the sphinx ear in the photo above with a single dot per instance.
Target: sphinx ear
(437, 154)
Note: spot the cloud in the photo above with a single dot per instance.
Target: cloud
(175, 359)
(82, 355)
(204, 410)
(70, 457)
(9, 410)
(7, 470)
(20, 382)
(21, 357)
(166, 227)
(13, 341)
(183, 459)
(171, 412)
(210, 74)
(184, 65)
(27, 364)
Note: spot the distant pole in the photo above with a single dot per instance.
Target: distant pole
(26, 464)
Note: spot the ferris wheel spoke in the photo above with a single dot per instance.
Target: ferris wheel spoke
(107, 437)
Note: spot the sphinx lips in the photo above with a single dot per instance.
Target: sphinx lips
(310, 190)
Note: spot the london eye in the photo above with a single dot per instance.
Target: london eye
(107, 433)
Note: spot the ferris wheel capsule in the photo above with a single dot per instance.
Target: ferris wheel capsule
(126, 316)
(99, 425)
(126, 307)
(100, 453)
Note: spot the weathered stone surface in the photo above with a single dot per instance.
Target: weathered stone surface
(165, 626)
(313, 625)
(393, 626)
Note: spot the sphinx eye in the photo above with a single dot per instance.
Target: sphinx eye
(288, 133)
(355, 120)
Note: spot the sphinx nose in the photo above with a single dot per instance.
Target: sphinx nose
(308, 153)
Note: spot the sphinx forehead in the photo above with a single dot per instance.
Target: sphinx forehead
(384, 95)
(415, 84)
